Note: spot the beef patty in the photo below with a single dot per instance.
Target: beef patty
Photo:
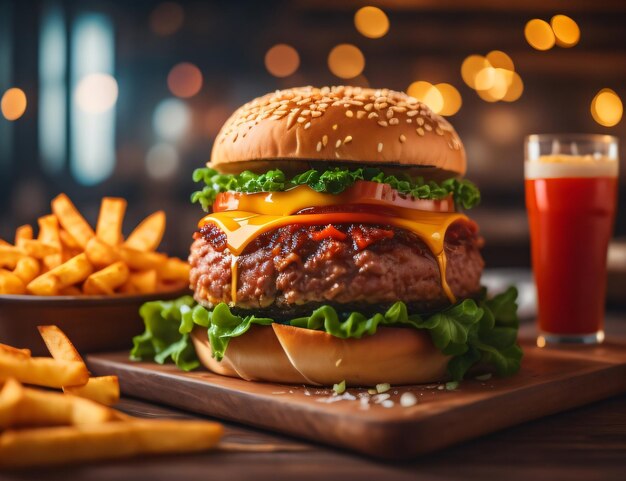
(290, 271)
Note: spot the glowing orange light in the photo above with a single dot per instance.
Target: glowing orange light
(167, 18)
(515, 90)
(346, 61)
(607, 108)
(184, 80)
(13, 104)
(282, 60)
(499, 59)
(427, 93)
(539, 34)
(470, 68)
(451, 99)
(566, 31)
(371, 22)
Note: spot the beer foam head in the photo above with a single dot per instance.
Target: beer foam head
(563, 166)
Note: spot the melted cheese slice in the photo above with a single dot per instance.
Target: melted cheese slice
(242, 227)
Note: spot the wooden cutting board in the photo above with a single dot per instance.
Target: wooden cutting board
(551, 380)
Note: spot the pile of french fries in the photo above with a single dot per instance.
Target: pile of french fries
(69, 258)
(45, 427)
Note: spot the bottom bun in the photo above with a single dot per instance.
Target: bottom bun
(292, 355)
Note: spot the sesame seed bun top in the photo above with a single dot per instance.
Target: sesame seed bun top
(337, 124)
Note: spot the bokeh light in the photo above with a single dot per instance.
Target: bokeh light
(470, 68)
(167, 18)
(13, 103)
(539, 34)
(451, 99)
(162, 161)
(171, 119)
(607, 108)
(515, 90)
(371, 22)
(96, 93)
(427, 93)
(184, 80)
(499, 59)
(282, 60)
(565, 30)
(346, 61)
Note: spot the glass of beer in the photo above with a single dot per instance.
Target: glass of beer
(571, 198)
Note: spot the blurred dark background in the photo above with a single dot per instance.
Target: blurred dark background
(110, 110)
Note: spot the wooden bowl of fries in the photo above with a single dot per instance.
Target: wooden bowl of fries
(89, 282)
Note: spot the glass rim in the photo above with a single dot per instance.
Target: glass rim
(604, 138)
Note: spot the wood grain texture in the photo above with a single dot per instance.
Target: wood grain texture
(551, 380)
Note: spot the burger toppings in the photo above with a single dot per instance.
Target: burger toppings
(332, 181)
(472, 332)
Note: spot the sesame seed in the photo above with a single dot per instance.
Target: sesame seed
(439, 131)
(394, 121)
(389, 113)
(319, 147)
(325, 140)
(338, 144)
(420, 131)
(336, 154)
(411, 113)
(384, 105)
(372, 115)
(408, 399)
(368, 107)
(420, 121)
(402, 138)
(335, 126)
(348, 139)
(301, 120)
(428, 127)
(307, 125)
(380, 147)
(409, 121)
(349, 113)
(316, 113)
(306, 112)
(360, 114)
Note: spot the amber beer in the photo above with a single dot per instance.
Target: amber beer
(571, 197)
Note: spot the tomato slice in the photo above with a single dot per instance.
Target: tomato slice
(362, 194)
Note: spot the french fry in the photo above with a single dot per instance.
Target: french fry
(58, 344)
(106, 280)
(102, 389)
(174, 269)
(109, 226)
(24, 407)
(27, 269)
(22, 233)
(44, 285)
(101, 254)
(42, 371)
(148, 234)
(70, 291)
(10, 283)
(144, 282)
(24, 353)
(9, 255)
(76, 270)
(38, 249)
(71, 220)
(141, 261)
(61, 445)
(49, 233)
(68, 241)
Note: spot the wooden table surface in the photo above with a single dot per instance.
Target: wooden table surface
(588, 443)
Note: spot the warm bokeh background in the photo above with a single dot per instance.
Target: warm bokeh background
(167, 75)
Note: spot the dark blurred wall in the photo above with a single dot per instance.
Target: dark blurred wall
(227, 41)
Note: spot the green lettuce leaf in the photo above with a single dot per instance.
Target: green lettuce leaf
(332, 181)
(480, 332)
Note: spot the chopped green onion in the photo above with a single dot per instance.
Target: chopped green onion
(339, 388)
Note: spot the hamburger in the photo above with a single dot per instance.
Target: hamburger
(336, 248)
